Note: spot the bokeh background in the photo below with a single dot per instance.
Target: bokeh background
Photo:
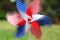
(50, 8)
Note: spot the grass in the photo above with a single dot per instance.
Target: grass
(7, 32)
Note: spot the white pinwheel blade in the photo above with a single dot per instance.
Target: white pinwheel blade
(36, 17)
(27, 27)
(42, 19)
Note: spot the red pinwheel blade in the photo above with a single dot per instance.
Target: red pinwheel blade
(22, 22)
(21, 29)
(35, 6)
(29, 12)
(35, 29)
(14, 18)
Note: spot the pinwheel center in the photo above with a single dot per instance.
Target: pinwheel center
(29, 19)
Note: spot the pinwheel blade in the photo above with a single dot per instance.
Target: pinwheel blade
(42, 19)
(35, 29)
(14, 18)
(21, 6)
(35, 6)
(29, 12)
(20, 31)
(27, 27)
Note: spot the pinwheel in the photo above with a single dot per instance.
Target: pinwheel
(27, 18)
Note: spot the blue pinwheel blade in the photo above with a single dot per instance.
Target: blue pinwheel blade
(20, 31)
(21, 6)
(44, 21)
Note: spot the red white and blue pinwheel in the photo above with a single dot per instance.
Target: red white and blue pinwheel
(28, 19)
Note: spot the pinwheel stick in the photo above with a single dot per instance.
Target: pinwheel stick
(30, 36)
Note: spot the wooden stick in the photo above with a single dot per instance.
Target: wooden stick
(30, 36)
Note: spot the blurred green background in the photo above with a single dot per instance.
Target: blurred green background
(50, 8)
